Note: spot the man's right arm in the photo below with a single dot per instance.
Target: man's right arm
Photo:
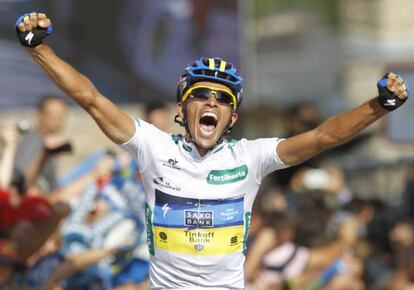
(116, 125)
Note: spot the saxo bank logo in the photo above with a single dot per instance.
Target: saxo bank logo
(203, 219)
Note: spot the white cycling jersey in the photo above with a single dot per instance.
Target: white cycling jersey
(198, 208)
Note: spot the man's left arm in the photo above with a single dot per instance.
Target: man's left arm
(342, 127)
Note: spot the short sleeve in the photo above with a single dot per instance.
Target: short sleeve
(263, 155)
(140, 145)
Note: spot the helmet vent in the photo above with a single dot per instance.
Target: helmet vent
(216, 74)
(204, 61)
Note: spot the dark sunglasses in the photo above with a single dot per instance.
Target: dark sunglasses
(204, 93)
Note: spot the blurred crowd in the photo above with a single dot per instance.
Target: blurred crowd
(87, 231)
(310, 231)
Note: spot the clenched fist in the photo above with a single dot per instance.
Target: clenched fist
(32, 28)
(393, 91)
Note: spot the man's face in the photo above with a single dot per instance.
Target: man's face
(207, 119)
(52, 118)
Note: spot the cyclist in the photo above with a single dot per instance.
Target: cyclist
(200, 187)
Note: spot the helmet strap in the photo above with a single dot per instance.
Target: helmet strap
(228, 129)
(180, 121)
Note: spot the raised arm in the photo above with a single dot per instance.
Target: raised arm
(75, 263)
(340, 128)
(116, 125)
(10, 138)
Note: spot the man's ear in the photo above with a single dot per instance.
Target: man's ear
(180, 110)
(233, 119)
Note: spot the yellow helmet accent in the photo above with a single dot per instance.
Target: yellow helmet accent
(222, 66)
(211, 63)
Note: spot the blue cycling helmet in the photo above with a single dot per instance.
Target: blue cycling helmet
(215, 70)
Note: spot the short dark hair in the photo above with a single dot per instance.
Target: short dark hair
(44, 100)
(155, 105)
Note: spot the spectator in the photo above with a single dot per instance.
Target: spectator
(108, 213)
(300, 118)
(157, 113)
(402, 242)
(51, 119)
(276, 259)
(9, 138)
(407, 203)
(47, 271)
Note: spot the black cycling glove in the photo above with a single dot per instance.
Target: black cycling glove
(387, 99)
(32, 38)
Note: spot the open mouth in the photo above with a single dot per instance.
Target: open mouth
(208, 122)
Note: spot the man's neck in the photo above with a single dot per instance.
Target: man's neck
(201, 151)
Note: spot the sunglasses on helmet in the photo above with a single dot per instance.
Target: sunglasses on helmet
(204, 92)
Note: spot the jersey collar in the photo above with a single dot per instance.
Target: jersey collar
(191, 149)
